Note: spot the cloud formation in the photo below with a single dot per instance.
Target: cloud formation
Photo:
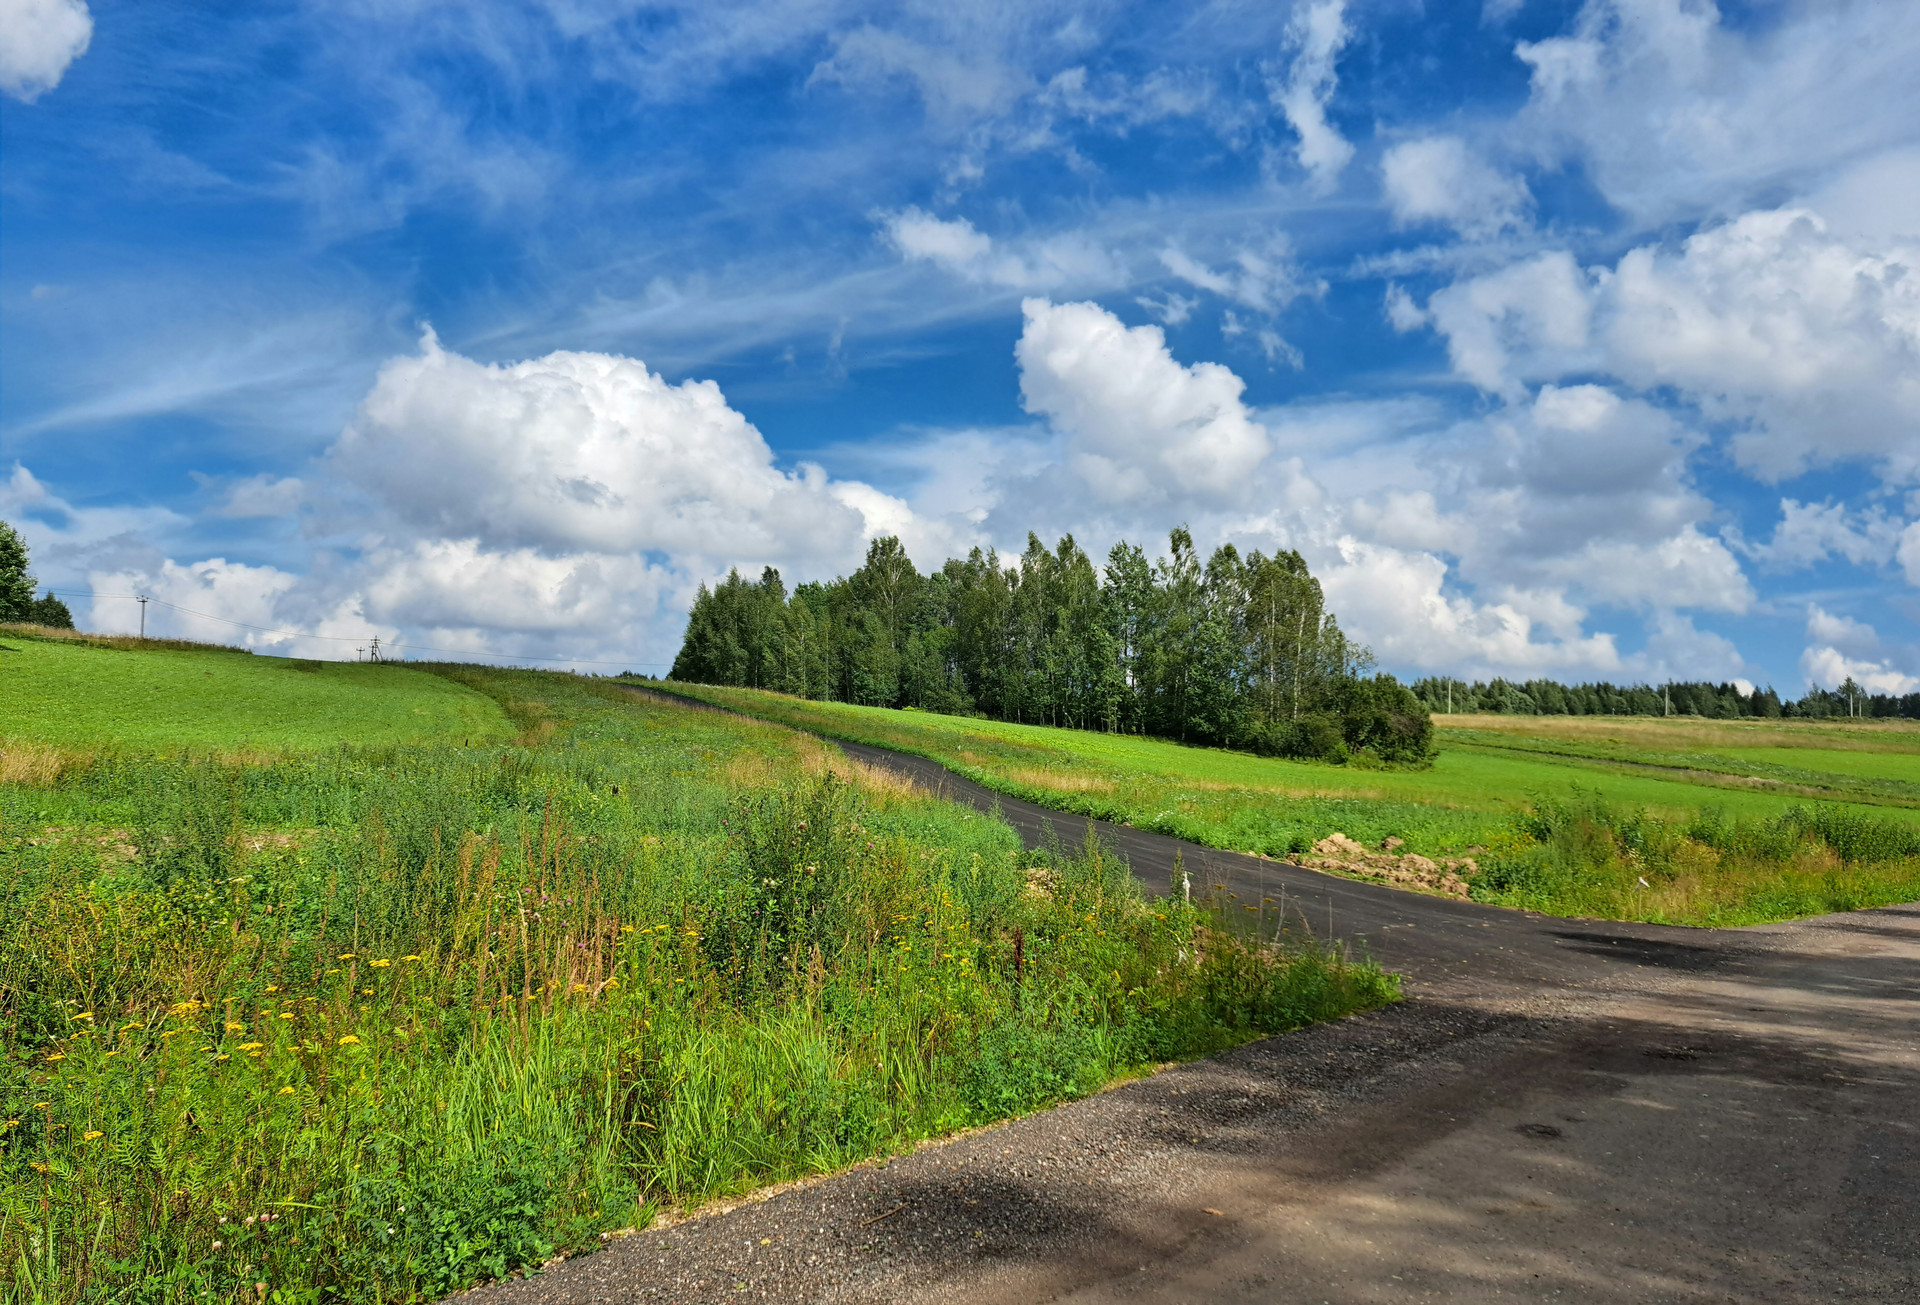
(1318, 32)
(39, 40)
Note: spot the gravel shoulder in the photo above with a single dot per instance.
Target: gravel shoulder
(1572, 1110)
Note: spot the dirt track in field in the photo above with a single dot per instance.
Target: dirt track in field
(1566, 1110)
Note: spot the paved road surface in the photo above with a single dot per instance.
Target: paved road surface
(1561, 1111)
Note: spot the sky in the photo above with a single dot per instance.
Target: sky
(1577, 340)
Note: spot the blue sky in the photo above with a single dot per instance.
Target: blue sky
(1568, 339)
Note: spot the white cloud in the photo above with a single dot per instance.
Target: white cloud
(39, 39)
(1909, 553)
(1139, 423)
(1402, 313)
(1812, 532)
(1498, 326)
(1265, 280)
(262, 495)
(955, 245)
(1843, 648)
(1810, 345)
(1768, 320)
(1439, 179)
(583, 451)
(1677, 115)
(194, 598)
(955, 87)
(1396, 600)
(1842, 632)
(1319, 31)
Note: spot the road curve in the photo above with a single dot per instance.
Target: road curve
(1562, 1110)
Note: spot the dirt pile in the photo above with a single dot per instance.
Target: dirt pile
(1343, 855)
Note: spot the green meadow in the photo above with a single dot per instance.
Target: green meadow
(79, 692)
(376, 1015)
(1685, 821)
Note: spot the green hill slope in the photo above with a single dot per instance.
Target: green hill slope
(76, 694)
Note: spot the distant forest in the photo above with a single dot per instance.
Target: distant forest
(1237, 651)
(1692, 698)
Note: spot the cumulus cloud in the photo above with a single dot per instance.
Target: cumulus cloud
(1809, 344)
(1440, 179)
(1769, 320)
(1398, 599)
(1843, 648)
(39, 40)
(1138, 422)
(1318, 32)
(1813, 532)
(1675, 114)
(583, 451)
(1524, 319)
(498, 508)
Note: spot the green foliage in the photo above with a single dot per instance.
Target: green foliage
(1585, 855)
(375, 1023)
(75, 694)
(1725, 701)
(1466, 802)
(16, 581)
(1238, 651)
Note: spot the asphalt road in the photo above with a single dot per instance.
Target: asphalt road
(1562, 1110)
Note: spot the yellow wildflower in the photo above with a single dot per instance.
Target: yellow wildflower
(273, 987)
(235, 1028)
(626, 928)
(380, 964)
(344, 956)
(285, 1092)
(409, 958)
(287, 1015)
(132, 1024)
(252, 1046)
(223, 1056)
(349, 1040)
(56, 1055)
(84, 1015)
(90, 1134)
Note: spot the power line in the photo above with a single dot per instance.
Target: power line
(338, 638)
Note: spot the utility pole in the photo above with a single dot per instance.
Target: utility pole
(375, 649)
(1666, 696)
(359, 654)
(143, 615)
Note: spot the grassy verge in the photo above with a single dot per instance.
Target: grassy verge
(376, 1023)
(78, 693)
(1642, 820)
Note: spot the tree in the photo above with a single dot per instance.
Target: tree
(16, 582)
(50, 611)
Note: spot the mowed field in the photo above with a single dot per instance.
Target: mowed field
(316, 1013)
(73, 693)
(1714, 817)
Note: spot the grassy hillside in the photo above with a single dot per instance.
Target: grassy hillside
(80, 694)
(375, 1023)
(1502, 790)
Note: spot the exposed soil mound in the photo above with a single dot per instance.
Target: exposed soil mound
(1339, 853)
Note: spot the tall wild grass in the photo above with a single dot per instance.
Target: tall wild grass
(1586, 856)
(376, 1025)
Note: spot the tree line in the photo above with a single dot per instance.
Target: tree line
(1237, 650)
(1678, 698)
(17, 603)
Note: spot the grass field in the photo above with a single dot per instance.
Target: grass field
(1565, 814)
(376, 1022)
(74, 694)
